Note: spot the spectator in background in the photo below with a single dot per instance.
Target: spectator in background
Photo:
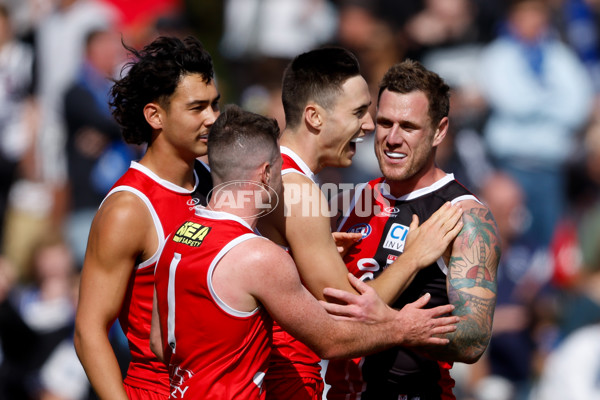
(578, 21)
(16, 80)
(97, 156)
(260, 37)
(539, 95)
(362, 30)
(572, 371)
(59, 43)
(580, 297)
(523, 275)
(35, 317)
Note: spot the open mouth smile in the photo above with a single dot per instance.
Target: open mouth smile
(395, 155)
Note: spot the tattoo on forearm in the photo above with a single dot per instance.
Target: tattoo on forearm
(472, 278)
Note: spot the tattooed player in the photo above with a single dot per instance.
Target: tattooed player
(412, 120)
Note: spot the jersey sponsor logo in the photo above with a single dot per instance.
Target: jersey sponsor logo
(362, 228)
(191, 234)
(396, 237)
(179, 393)
(192, 203)
(390, 259)
(388, 212)
(178, 377)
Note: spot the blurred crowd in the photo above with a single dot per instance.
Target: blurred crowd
(525, 137)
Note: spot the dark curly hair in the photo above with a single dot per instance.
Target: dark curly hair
(153, 75)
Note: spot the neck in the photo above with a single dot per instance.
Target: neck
(419, 181)
(240, 203)
(170, 167)
(304, 145)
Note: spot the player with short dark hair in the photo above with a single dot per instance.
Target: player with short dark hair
(326, 103)
(412, 120)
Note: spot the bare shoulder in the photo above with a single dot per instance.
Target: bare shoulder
(259, 253)
(478, 243)
(294, 177)
(478, 218)
(262, 264)
(123, 224)
(123, 207)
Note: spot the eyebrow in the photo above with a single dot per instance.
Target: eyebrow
(204, 102)
(382, 119)
(362, 107)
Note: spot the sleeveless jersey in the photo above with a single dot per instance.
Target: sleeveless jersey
(384, 222)
(290, 358)
(168, 204)
(213, 351)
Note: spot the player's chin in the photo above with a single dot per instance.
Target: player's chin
(201, 149)
(346, 161)
(393, 174)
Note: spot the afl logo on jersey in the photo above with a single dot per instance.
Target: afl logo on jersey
(362, 228)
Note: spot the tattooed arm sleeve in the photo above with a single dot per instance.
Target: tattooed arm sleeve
(472, 285)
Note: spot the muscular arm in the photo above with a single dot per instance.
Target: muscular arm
(307, 231)
(472, 285)
(117, 238)
(257, 270)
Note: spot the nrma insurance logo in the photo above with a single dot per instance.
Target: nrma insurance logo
(362, 228)
(243, 194)
(396, 237)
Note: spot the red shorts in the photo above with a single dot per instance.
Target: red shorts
(295, 389)
(134, 393)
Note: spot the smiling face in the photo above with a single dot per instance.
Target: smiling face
(405, 139)
(191, 111)
(347, 120)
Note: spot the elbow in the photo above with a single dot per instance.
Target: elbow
(335, 351)
(327, 351)
(471, 358)
(327, 354)
(78, 339)
(324, 352)
(473, 351)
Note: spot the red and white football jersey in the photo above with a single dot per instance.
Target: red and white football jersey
(213, 351)
(168, 204)
(290, 358)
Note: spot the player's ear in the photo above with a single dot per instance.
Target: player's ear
(313, 116)
(153, 115)
(266, 171)
(440, 132)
